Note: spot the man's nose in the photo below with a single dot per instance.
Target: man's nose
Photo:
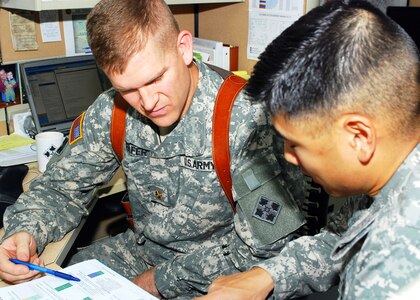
(149, 98)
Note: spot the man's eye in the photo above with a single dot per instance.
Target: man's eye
(158, 79)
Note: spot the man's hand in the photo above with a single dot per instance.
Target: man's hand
(254, 284)
(21, 246)
(147, 282)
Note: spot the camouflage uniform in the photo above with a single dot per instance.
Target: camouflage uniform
(184, 225)
(373, 245)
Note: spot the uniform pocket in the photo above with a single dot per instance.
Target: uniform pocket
(267, 206)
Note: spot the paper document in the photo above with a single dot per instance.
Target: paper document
(14, 140)
(50, 26)
(97, 281)
(267, 19)
(16, 149)
(18, 156)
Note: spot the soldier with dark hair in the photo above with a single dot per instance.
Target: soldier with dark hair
(184, 227)
(343, 87)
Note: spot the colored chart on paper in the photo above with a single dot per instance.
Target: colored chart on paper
(268, 4)
(95, 274)
(35, 297)
(97, 282)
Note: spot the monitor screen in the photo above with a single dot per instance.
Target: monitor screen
(408, 18)
(60, 89)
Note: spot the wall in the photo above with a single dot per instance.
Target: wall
(224, 22)
(52, 49)
(183, 13)
(231, 27)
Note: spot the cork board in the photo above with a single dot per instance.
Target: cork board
(9, 55)
(183, 13)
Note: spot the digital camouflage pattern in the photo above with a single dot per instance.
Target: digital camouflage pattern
(372, 245)
(184, 225)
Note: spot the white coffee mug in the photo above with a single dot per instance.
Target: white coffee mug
(47, 144)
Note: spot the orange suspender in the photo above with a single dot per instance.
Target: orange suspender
(119, 111)
(226, 96)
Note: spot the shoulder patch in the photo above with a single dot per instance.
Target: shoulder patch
(267, 210)
(76, 132)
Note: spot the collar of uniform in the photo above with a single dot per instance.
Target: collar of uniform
(193, 131)
(389, 193)
(387, 198)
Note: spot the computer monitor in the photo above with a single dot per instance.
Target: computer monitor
(408, 18)
(60, 89)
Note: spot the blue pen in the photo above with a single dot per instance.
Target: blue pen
(44, 270)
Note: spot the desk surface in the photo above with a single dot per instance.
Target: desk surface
(55, 253)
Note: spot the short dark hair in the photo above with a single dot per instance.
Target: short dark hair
(119, 29)
(344, 54)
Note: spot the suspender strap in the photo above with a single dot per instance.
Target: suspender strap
(226, 96)
(118, 125)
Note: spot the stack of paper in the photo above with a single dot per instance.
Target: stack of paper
(16, 149)
(97, 281)
(209, 51)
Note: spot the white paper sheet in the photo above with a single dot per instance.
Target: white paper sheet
(267, 19)
(17, 156)
(50, 27)
(97, 282)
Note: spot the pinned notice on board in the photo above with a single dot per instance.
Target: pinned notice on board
(50, 26)
(22, 28)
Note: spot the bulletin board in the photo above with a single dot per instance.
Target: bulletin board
(45, 50)
(183, 13)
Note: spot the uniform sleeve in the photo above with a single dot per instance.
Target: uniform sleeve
(305, 266)
(268, 191)
(57, 201)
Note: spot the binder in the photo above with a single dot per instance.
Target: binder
(230, 57)
(208, 51)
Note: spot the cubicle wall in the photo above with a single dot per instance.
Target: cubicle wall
(183, 13)
(226, 22)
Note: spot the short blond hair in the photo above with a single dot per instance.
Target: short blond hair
(119, 29)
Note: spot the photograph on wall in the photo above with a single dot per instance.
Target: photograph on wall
(9, 85)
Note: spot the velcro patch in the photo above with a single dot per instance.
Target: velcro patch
(267, 210)
(76, 132)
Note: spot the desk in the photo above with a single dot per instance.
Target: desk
(55, 253)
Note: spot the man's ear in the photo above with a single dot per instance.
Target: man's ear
(185, 46)
(361, 135)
